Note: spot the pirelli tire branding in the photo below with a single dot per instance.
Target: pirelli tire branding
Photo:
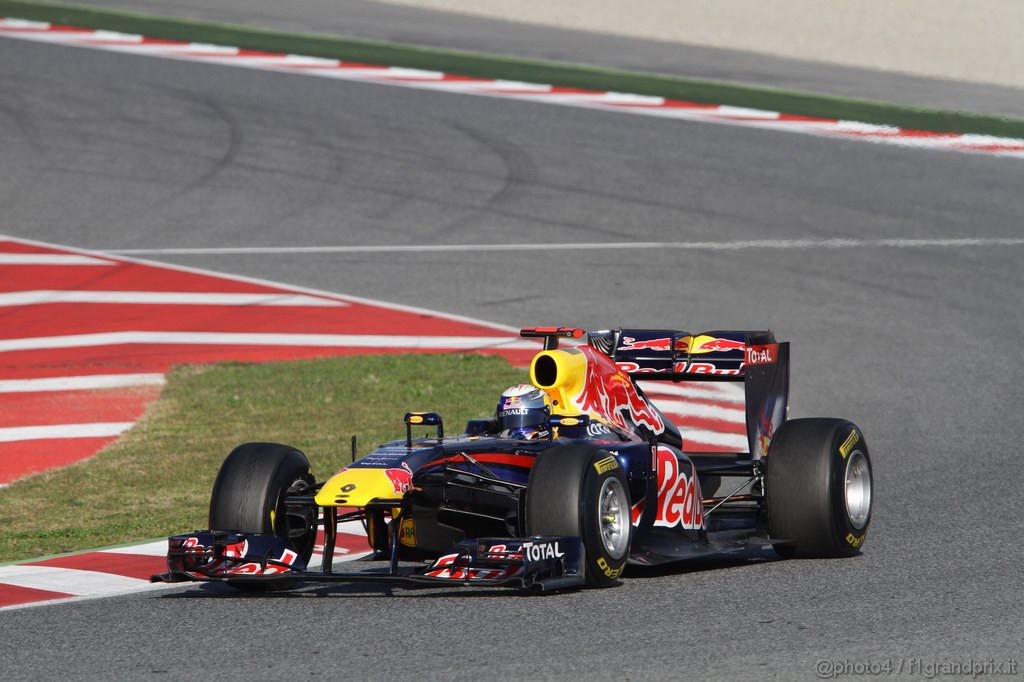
(846, 447)
(610, 572)
(607, 464)
(856, 541)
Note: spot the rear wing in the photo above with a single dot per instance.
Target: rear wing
(752, 357)
(670, 364)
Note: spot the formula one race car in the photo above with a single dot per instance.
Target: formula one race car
(578, 475)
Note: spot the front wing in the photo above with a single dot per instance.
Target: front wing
(249, 559)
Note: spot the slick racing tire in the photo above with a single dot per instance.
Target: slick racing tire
(818, 488)
(581, 491)
(248, 496)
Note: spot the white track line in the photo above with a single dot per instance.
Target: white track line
(164, 298)
(80, 383)
(60, 431)
(500, 328)
(68, 580)
(738, 245)
(50, 259)
(255, 339)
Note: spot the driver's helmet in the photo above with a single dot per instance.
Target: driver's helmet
(523, 413)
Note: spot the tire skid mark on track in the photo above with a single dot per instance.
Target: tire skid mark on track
(533, 92)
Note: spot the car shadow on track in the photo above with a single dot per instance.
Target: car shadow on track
(716, 562)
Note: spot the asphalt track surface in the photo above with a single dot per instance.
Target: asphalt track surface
(919, 346)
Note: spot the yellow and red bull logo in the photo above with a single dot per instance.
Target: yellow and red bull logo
(629, 343)
(401, 479)
(609, 393)
(702, 343)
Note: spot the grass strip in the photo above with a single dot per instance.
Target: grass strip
(513, 68)
(156, 480)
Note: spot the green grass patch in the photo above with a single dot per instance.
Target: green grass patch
(156, 479)
(512, 68)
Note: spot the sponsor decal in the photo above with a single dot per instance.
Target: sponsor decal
(710, 344)
(855, 540)
(416, 419)
(519, 390)
(538, 551)
(763, 355)
(503, 552)
(568, 421)
(236, 550)
(847, 446)
(515, 411)
(240, 550)
(385, 457)
(445, 567)
(612, 573)
(634, 368)
(401, 479)
(253, 568)
(595, 429)
(609, 392)
(679, 496)
(407, 533)
(706, 368)
(605, 465)
(772, 415)
(662, 344)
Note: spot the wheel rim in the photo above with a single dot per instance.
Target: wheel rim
(858, 490)
(614, 518)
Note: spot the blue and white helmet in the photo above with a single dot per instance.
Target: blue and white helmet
(523, 413)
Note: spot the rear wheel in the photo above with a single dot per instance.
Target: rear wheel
(248, 496)
(818, 488)
(581, 491)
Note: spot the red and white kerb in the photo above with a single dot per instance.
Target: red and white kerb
(535, 92)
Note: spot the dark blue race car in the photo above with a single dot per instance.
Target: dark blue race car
(578, 475)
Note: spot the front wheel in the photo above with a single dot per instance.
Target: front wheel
(248, 496)
(581, 491)
(819, 489)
